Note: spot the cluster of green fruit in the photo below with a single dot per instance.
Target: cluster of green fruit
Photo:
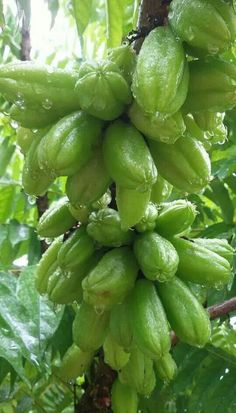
(141, 124)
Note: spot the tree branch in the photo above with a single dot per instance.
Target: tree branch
(215, 311)
(152, 13)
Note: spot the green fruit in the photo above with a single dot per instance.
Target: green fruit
(35, 116)
(160, 80)
(102, 90)
(149, 322)
(90, 182)
(156, 126)
(161, 190)
(186, 315)
(148, 221)
(35, 180)
(206, 24)
(166, 368)
(89, 327)
(56, 220)
(211, 86)
(193, 131)
(156, 256)
(185, 164)
(42, 87)
(78, 248)
(111, 280)
(200, 265)
(138, 373)
(80, 213)
(102, 202)
(200, 291)
(74, 363)
(104, 226)
(175, 217)
(213, 123)
(47, 265)
(114, 354)
(68, 144)
(65, 287)
(124, 399)
(127, 157)
(125, 58)
(24, 138)
(219, 246)
(131, 206)
(120, 325)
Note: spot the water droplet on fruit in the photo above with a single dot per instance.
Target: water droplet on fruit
(47, 104)
(32, 199)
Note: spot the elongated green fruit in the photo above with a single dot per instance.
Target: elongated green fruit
(149, 322)
(35, 116)
(161, 190)
(56, 220)
(90, 182)
(211, 86)
(104, 226)
(74, 363)
(166, 367)
(185, 164)
(200, 291)
(156, 126)
(160, 80)
(131, 205)
(219, 246)
(124, 399)
(114, 354)
(175, 217)
(125, 58)
(148, 221)
(112, 279)
(24, 138)
(156, 256)
(76, 249)
(102, 90)
(65, 286)
(89, 327)
(47, 265)
(200, 265)
(206, 24)
(127, 157)
(35, 180)
(186, 315)
(30, 84)
(138, 373)
(121, 326)
(68, 144)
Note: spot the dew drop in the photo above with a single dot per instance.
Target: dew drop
(32, 199)
(47, 104)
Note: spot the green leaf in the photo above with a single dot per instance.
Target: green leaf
(114, 10)
(224, 162)
(82, 14)
(7, 203)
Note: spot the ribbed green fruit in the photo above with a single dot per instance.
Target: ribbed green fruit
(114, 354)
(103, 91)
(76, 249)
(149, 322)
(156, 256)
(200, 265)
(46, 266)
(186, 315)
(219, 246)
(175, 217)
(166, 367)
(131, 206)
(104, 226)
(205, 24)
(185, 164)
(157, 126)
(161, 190)
(112, 278)
(124, 399)
(121, 326)
(160, 80)
(125, 58)
(138, 373)
(90, 327)
(74, 363)
(127, 157)
(56, 220)
(148, 221)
